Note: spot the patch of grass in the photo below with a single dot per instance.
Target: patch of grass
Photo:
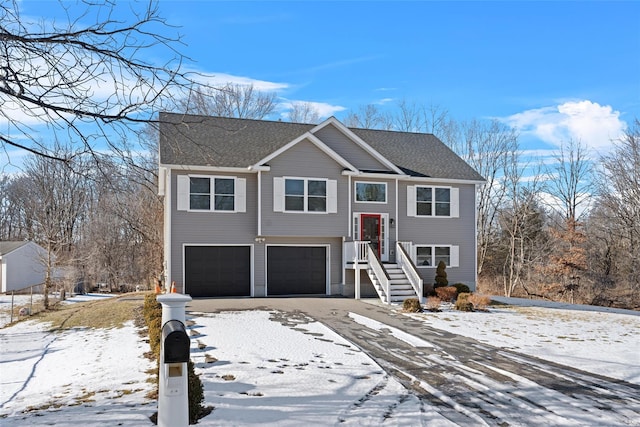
(86, 397)
(106, 313)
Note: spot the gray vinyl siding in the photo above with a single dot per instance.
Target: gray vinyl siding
(443, 231)
(210, 228)
(304, 160)
(349, 150)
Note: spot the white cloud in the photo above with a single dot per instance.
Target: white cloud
(592, 124)
(323, 109)
(220, 79)
(383, 101)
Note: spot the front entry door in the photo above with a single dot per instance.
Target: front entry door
(370, 227)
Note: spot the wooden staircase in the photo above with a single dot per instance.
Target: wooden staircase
(399, 285)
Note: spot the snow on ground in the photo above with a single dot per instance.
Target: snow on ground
(97, 376)
(594, 339)
(306, 375)
(18, 301)
(256, 370)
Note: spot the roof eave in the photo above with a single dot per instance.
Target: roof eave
(208, 168)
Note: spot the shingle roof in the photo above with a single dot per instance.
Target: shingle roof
(6, 247)
(230, 142)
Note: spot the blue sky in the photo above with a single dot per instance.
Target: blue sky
(554, 70)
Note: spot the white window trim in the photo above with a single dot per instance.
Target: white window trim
(184, 193)
(355, 192)
(279, 195)
(454, 255)
(454, 201)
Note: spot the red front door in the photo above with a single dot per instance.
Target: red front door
(370, 230)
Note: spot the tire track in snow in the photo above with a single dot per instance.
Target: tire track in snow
(476, 384)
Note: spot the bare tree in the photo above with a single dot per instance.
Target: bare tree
(86, 83)
(303, 112)
(569, 183)
(490, 148)
(409, 117)
(230, 100)
(569, 180)
(619, 196)
(520, 223)
(12, 221)
(368, 117)
(53, 198)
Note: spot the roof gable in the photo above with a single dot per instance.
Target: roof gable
(10, 246)
(315, 141)
(333, 122)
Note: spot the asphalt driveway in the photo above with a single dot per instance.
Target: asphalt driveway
(470, 383)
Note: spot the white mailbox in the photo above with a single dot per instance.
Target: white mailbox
(173, 398)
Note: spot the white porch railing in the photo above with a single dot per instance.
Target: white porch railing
(403, 259)
(356, 252)
(381, 274)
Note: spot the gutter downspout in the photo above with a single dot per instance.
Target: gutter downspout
(475, 246)
(349, 218)
(167, 229)
(397, 196)
(259, 203)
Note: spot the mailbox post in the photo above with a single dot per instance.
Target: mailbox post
(173, 400)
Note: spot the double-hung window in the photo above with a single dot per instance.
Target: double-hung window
(211, 193)
(427, 201)
(431, 255)
(306, 195)
(202, 191)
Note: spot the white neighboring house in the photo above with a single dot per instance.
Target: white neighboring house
(21, 265)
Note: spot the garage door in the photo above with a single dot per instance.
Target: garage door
(217, 271)
(295, 270)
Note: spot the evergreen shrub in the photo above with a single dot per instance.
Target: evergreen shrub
(441, 275)
(462, 288)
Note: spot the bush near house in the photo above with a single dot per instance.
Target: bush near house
(463, 303)
(446, 293)
(480, 302)
(152, 312)
(433, 304)
(411, 305)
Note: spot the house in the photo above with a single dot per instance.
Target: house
(21, 265)
(264, 208)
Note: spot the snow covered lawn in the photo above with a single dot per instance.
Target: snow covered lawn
(594, 339)
(258, 369)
